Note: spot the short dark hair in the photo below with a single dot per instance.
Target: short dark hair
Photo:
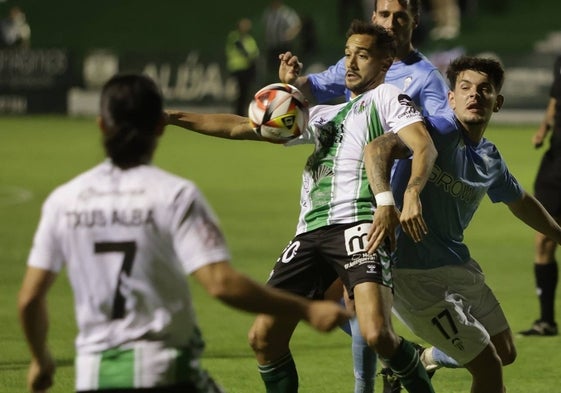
(131, 109)
(414, 6)
(385, 40)
(492, 68)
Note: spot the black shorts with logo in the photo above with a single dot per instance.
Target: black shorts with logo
(312, 261)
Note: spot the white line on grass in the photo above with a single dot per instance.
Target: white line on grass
(14, 195)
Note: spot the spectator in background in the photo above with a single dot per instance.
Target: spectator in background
(347, 10)
(241, 61)
(14, 29)
(547, 189)
(447, 19)
(282, 26)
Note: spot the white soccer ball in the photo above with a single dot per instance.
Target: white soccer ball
(279, 112)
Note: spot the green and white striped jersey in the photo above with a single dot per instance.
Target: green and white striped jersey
(334, 183)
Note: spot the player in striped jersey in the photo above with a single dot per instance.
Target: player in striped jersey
(128, 233)
(336, 209)
(440, 291)
(410, 71)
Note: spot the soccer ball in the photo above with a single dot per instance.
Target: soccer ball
(278, 112)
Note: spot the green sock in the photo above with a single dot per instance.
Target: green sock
(280, 376)
(407, 366)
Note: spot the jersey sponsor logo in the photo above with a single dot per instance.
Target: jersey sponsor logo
(99, 218)
(355, 238)
(454, 186)
(90, 193)
(362, 259)
(289, 252)
(410, 107)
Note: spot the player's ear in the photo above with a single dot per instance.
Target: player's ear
(499, 103)
(451, 99)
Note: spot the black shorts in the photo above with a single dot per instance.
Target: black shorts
(547, 187)
(313, 260)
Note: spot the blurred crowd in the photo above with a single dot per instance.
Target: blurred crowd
(14, 29)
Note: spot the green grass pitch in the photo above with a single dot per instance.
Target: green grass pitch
(254, 189)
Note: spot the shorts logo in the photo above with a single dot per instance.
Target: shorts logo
(371, 269)
(355, 238)
(289, 251)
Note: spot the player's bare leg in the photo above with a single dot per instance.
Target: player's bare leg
(269, 337)
(504, 345)
(373, 304)
(487, 372)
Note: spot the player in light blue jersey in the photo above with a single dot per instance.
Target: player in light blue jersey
(412, 72)
(440, 291)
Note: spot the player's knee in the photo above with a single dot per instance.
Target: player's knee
(508, 356)
(380, 340)
(257, 339)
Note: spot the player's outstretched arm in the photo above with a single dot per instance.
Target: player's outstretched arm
(530, 211)
(222, 281)
(221, 125)
(33, 315)
(379, 156)
(417, 138)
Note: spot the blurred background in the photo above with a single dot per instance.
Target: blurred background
(55, 55)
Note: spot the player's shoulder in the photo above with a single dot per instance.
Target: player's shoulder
(444, 130)
(150, 179)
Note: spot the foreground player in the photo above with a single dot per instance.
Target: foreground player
(128, 233)
(336, 210)
(440, 291)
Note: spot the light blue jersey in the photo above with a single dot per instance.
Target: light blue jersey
(462, 174)
(415, 75)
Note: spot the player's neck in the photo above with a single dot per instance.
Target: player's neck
(474, 132)
(403, 51)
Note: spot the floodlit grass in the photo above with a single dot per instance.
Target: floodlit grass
(254, 189)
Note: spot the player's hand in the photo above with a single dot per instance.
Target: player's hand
(411, 218)
(289, 68)
(386, 220)
(538, 138)
(326, 315)
(40, 376)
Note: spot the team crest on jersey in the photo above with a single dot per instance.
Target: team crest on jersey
(360, 107)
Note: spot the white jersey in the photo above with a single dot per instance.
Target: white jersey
(335, 187)
(128, 239)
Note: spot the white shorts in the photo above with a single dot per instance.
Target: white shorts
(450, 307)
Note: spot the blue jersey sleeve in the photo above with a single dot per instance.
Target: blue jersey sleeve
(329, 84)
(506, 188)
(434, 95)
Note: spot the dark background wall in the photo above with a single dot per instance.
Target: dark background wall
(176, 25)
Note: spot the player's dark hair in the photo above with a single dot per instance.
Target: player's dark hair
(492, 68)
(385, 41)
(131, 109)
(414, 6)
